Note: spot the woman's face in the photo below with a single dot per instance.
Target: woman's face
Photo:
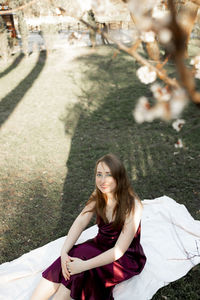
(104, 179)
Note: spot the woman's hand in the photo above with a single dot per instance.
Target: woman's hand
(65, 258)
(76, 265)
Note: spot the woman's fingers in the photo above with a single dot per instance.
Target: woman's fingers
(66, 275)
(68, 268)
(65, 271)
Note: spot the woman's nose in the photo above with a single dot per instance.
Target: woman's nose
(102, 178)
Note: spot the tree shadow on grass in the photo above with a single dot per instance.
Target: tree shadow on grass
(104, 123)
(10, 101)
(154, 166)
(29, 218)
(147, 150)
(14, 64)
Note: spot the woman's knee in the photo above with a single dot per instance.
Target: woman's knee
(45, 290)
(62, 293)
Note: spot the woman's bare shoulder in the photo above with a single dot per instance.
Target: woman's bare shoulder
(136, 213)
(138, 203)
(89, 206)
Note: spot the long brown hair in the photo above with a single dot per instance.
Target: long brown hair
(124, 194)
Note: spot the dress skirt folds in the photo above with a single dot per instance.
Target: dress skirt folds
(98, 283)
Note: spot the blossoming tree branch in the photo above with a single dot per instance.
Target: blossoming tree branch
(160, 24)
(166, 24)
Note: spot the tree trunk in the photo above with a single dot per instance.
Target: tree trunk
(188, 14)
(23, 29)
(4, 43)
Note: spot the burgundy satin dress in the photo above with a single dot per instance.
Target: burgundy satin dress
(98, 283)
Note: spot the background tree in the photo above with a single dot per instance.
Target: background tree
(4, 43)
(23, 29)
(22, 26)
(92, 22)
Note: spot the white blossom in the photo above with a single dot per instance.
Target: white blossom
(159, 111)
(146, 75)
(179, 144)
(148, 36)
(192, 61)
(197, 74)
(158, 13)
(161, 15)
(140, 110)
(178, 102)
(196, 62)
(57, 11)
(144, 113)
(160, 93)
(178, 124)
(165, 35)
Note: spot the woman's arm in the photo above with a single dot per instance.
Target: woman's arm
(77, 227)
(123, 242)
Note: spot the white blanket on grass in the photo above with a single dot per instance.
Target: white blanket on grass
(170, 239)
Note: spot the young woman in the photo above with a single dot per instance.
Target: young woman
(89, 271)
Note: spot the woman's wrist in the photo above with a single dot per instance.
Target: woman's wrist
(64, 251)
(85, 265)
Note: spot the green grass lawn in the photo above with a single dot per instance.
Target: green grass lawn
(60, 113)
